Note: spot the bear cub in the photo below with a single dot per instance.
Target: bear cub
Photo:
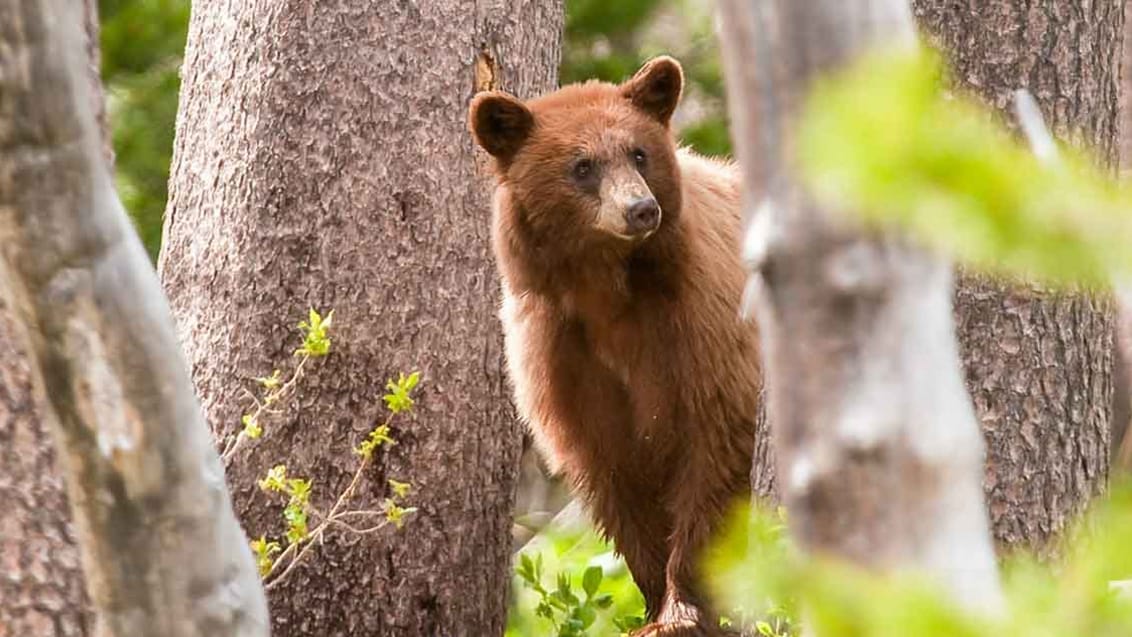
(619, 259)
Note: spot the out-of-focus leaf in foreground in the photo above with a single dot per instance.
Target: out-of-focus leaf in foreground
(884, 140)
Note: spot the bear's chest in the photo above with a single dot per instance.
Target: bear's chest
(642, 356)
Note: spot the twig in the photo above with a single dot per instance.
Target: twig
(333, 517)
(264, 407)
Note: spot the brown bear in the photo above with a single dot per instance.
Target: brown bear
(621, 276)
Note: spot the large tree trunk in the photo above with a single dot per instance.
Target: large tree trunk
(321, 160)
(41, 589)
(879, 455)
(1039, 365)
(41, 593)
(161, 548)
(1121, 442)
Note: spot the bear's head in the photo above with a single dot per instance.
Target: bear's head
(594, 162)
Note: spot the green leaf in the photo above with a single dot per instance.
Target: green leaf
(883, 142)
(251, 427)
(270, 383)
(400, 489)
(395, 514)
(275, 480)
(587, 615)
(591, 580)
(316, 340)
(378, 437)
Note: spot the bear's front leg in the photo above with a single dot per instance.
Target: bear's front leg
(632, 514)
(704, 490)
(679, 619)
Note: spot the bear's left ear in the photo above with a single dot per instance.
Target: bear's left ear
(656, 87)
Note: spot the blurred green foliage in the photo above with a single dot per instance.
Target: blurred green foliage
(755, 564)
(142, 44)
(884, 141)
(609, 40)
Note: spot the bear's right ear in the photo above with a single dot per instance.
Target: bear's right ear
(656, 88)
(500, 123)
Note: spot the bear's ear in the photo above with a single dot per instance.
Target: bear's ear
(656, 87)
(500, 123)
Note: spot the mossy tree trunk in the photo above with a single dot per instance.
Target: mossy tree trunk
(322, 161)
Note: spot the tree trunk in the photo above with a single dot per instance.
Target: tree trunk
(41, 593)
(1038, 365)
(1121, 442)
(321, 161)
(879, 455)
(162, 551)
(41, 590)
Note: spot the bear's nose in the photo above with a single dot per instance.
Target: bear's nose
(643, 215)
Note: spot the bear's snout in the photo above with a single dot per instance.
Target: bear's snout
(642, 216)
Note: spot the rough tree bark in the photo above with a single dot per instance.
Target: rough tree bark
(1121, 442)
(41, 591)
(321, 160)
(161, 548)
(41, 586)
(1038, 365)
(879, 455)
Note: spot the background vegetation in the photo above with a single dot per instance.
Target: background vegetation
(143, 42)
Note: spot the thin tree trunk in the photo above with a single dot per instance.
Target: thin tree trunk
(42, 592)
(161, 549)
(1038, 365)
(879, 455)
(321, 160)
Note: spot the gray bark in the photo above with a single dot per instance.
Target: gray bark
(1038, 365)
(161, 549)
(879, 456)
(42, 592)
(322, 160)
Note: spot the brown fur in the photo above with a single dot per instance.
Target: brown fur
(628, 358)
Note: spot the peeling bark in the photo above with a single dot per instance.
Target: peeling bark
(321, 160)
(1038, 365)
(879, 456)
(161, 549)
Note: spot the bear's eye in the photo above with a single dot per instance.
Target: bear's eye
(639, 157)
(583, 168)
